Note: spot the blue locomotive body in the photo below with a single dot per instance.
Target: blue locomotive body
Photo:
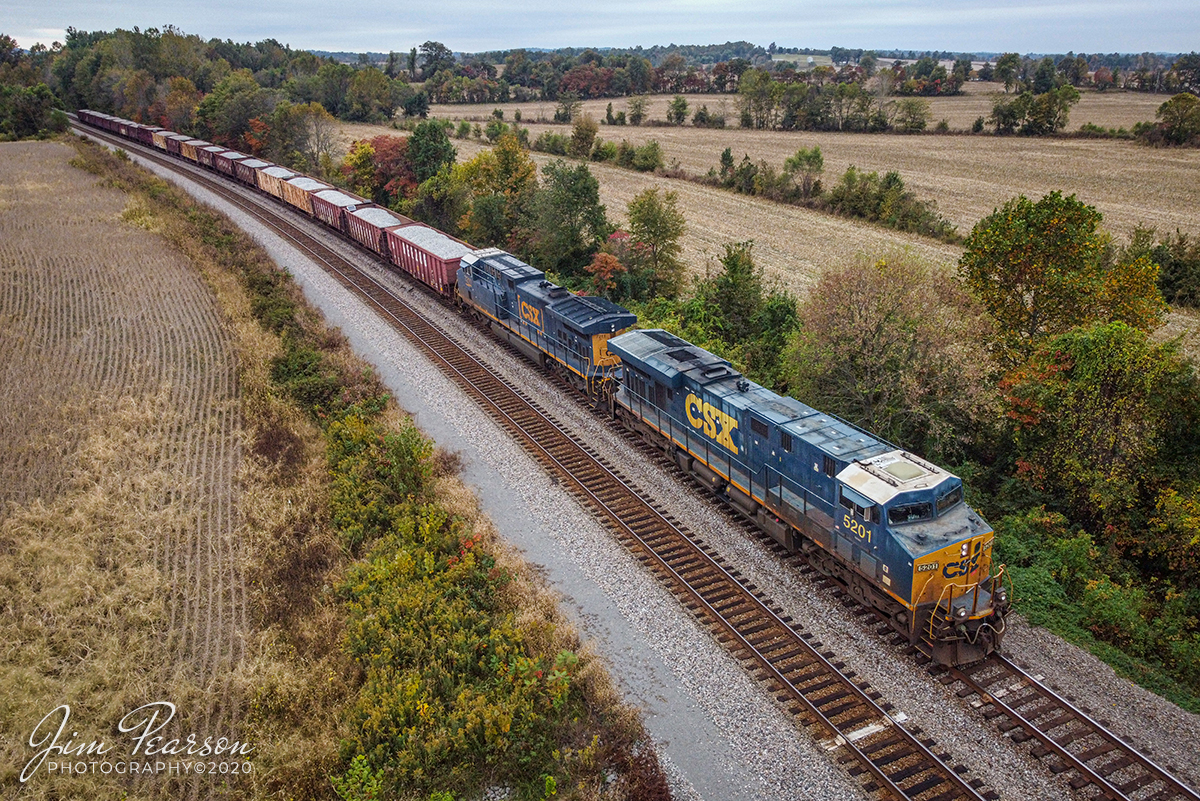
(545, 321)
(893, 527)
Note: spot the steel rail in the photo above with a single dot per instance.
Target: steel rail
(1063, 712)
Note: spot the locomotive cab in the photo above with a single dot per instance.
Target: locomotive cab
(938, 553)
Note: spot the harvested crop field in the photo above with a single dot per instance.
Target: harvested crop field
(1107, 109)
(792, 244)
(119, 431)
(969, 176)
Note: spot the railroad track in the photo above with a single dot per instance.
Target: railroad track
(850, 718)
(1063, 735)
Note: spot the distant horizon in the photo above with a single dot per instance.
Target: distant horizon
(876, 50)
(472, 26)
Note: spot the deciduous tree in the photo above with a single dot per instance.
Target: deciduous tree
(1090, 412)
(1006, 70)
(895, 346)
(503, 185)
(1042, 268)
(677, 111)
(637, 109)
(435, 57)
(807, 163)
(912, 114)
(583, 135)
(429, 148)
(1187, 68)
(1180, 118)
(655, 227)
(224, 115)
(380, 169)
(570, 220)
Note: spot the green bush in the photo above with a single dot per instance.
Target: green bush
(1115, 614)
(885, 200)
(604, 151)
(302, 373)
(648, 157)
(625, 154)
(553, 143)
(375, 476)
(495, 129)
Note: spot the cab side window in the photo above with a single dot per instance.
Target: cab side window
(858, 505)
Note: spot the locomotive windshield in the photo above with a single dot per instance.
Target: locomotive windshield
(910, 513)
(949, 499)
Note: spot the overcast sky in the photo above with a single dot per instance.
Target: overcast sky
(1024, 26)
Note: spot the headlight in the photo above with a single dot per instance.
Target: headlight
(1001, 596)
(961, 613)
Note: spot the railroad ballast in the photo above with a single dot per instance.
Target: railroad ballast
(889, 526)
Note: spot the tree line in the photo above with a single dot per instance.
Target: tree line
(27, 106)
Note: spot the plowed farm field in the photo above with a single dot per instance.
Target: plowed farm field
(119, 426)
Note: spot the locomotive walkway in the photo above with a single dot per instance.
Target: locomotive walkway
(850, 718)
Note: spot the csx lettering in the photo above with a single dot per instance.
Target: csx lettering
(961, 568)
(531, 314)
(858, 528)
(715, 424)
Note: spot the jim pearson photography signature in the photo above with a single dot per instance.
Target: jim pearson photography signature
(143, 726)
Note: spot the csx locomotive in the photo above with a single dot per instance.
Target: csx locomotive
(891, 527)
(556, 328)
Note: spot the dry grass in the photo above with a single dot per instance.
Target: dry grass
(792, 244)
(545, 632)
(297, 677)
(967, 176)
(85, 610)
(118, 450)
(1106, 109)
(1183, 324)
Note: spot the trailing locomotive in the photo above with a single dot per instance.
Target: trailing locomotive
(556, 328)
(888, 525)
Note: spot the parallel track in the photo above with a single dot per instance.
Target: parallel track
(889, 759)
(1065, 737)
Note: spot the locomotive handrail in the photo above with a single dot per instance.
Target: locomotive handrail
(950, 586)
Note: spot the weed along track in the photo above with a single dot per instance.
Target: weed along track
(846, 716)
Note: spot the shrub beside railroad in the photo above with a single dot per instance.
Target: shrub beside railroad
(401, 648)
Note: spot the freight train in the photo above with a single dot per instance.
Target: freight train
(890, 527)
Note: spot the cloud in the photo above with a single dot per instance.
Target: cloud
(471, 25)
